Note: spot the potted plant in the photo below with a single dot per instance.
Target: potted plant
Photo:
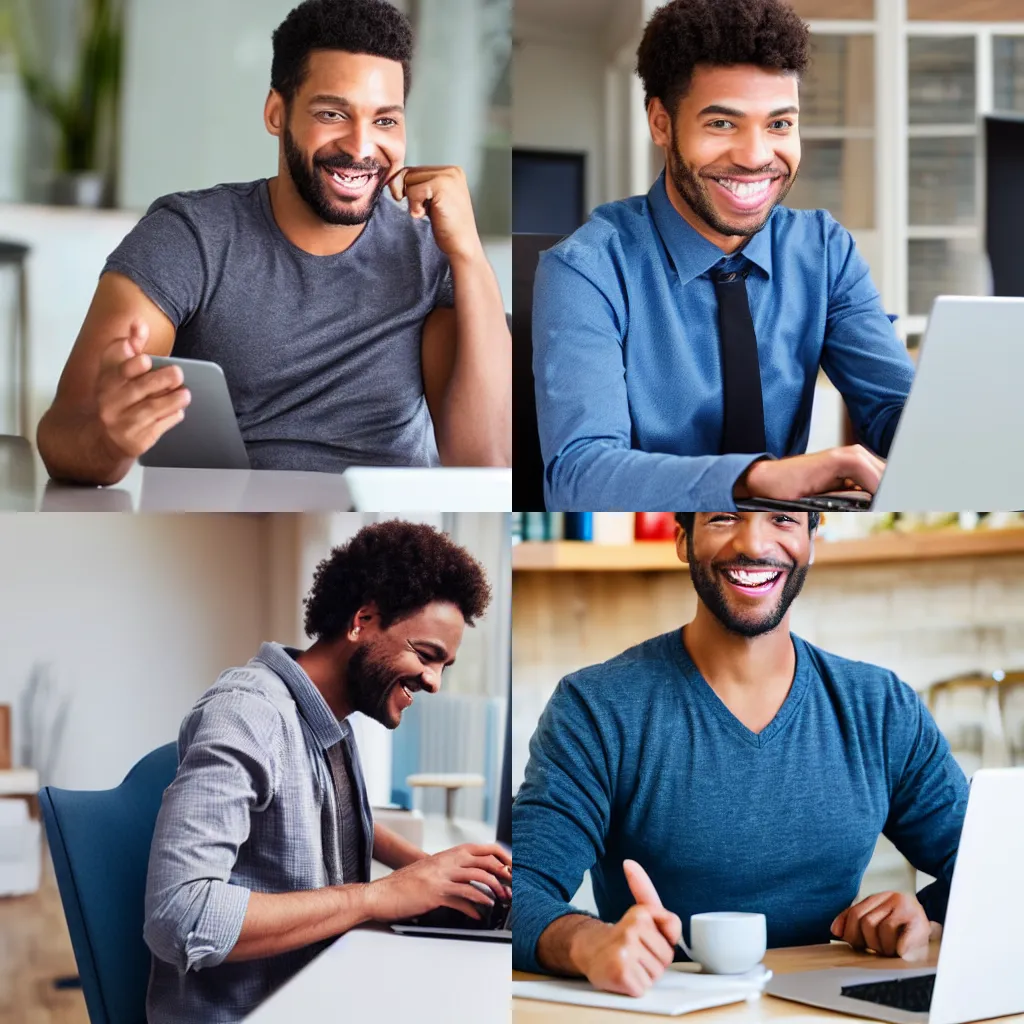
(85, 110)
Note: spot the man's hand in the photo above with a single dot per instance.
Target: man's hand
(444, 880)
(889, 923)
(801, 476)
(136, 406)
(442, 194)
(628, 957)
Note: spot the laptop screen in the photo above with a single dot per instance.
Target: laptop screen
(505, 797)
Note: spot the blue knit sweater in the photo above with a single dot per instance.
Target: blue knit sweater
(639, 758)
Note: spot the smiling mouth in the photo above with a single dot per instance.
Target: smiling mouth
(746, 196)
(350, 183)
(753, 580)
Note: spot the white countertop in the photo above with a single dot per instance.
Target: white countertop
(376, 975)
(369, 489)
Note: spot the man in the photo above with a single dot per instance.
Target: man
(350, 330)
(729, 766)
(263, 843)
(678, 335)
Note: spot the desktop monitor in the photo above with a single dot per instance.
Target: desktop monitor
(1004, 216)
(548, 192)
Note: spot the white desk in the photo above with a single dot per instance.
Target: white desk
(375, 975)
(24, 486)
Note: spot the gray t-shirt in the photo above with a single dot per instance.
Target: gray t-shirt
(321, 353)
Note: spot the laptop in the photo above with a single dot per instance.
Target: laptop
(949, 450)
(208, 437)
(420, 489)
(979, 973)
(444, 923)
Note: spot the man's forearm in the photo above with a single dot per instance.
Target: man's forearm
(392, 850)
(72, 449)
(477, 419)
(279, 922)
(562, 946)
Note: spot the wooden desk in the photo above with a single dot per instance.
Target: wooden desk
(781, 961)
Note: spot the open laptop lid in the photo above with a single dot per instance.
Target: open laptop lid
(979, 973)
(950, 450)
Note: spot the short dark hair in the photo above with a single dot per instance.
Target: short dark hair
(685, 520)
(400, 566)
(356, 26)
(685, 33)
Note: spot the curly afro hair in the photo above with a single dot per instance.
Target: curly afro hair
(685, 33)
(400, 566)
(356, 26)
(685, 520)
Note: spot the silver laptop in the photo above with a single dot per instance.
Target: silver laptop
(208, 437)
(953, 448)
(980, 972)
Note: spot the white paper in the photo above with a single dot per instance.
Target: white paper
(676, 992)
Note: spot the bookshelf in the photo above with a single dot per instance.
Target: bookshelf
(660, 556)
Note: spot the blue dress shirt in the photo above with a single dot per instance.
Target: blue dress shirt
(627, 357)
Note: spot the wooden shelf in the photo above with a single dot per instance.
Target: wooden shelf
(659, 556)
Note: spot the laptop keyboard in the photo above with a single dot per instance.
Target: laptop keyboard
(912, 994)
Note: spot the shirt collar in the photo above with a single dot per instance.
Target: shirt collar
(318, 716)
(692, 254)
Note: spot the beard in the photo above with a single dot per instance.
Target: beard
(309, 183)
(370, 682)
(711, 591)
(691, 186)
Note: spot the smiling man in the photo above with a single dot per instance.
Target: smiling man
(729, 765)
(351, 330)
(262, 848)
(678, 335)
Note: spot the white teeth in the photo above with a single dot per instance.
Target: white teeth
(405, 690)
(745, 189)
(752, 578)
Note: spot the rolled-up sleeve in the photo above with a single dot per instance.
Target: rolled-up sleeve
(229, 751)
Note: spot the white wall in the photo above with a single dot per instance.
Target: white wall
(137, 615)
(559, 104)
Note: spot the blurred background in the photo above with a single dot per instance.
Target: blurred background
(132, 620)
(106, 105)
(912, 121)
(936, 598)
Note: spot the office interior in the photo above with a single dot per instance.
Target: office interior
(936, 598)
(912, 123)
(132, 620)
(188, 115)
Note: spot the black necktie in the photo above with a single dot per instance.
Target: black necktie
(741, 374)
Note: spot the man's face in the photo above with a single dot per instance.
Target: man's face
(344, 133)
(733, 148)
(748, 567)
(391, 665)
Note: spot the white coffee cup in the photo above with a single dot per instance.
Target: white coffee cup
(727, 942)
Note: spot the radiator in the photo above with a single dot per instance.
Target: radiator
(450, 733)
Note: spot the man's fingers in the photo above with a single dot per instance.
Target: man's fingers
(839, 924)
(491, 850)
(165, 381)
(877, 937)
(852, 931)
(912, 938)
(464, 906)
(657, 945)
(481, 876)
(397, 183)
(640, 885)
(470, 893)
(138, 335)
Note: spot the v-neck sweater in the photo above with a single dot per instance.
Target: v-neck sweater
(639, 758)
